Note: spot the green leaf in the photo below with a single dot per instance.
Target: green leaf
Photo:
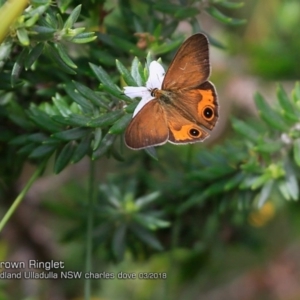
(42, 151)
(268, 146)
(70, 34)
(71, 134)
(126, 46)
(268, 114)
(186, 12)
(64, 55)
(20, 120)
(85, 37)
(196, 199)
(86, 105)
(78, 120)
(296, 93)
(27, 149)
(43, 32)
(17, 68)
(292, 184)
(135, 72)
(259, 181)
(126, 74)
(53, 54)
(61, 105)
(106, 119)
(212, 172)
(116, 154)
(61, 120)
(234, 181)
(169, 8)
(284, 189)
(230, 5)
(265, 193)
(150, 222)
(119, 126)
(108, 84)
(145, 200)
(43, 120)
(244, 129)
(19, 140)
(286, 104)
(104, 57)
(73, 17)
(49, 20)
(59, 22)
(63, 5)
(118, 241)
(51, 141)
(40, 2)
(151, 152)
(131, 107)
(105, 79)
(34, 55)
(289, 185)
(23, 36)
(64, 157)
(296, 152)
(97, 138)
(40, 10)
(89, 94)
(37, 137)
(166, 47)
(215, 13)
(145, 236)
(105, 144)
(114, 92)
(82, 149)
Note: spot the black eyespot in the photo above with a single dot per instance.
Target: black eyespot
(208, 113)
(195, 132)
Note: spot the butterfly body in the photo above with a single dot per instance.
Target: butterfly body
(183, 107)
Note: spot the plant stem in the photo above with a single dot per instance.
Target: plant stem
(9, 12)
(90, 221)
(20, 197)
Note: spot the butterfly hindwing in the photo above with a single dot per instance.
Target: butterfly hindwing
(199, 104)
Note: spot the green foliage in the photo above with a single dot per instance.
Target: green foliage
(43, 36)
(280, 32)
(61, 99)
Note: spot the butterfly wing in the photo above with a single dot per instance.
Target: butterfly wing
(182, 130)
(191, 112)
(199, 104)
(190, 66)
(148, 128)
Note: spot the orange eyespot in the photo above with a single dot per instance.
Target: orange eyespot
(208, 113)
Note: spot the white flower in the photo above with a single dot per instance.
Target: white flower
(155, 79)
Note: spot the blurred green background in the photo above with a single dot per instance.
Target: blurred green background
(211, 246)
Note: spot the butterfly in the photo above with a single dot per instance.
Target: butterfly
(178, 106)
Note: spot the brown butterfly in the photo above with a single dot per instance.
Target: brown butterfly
(185, 104)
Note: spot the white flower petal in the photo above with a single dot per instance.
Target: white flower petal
(142, 103)
(136, 91)
(156, 75)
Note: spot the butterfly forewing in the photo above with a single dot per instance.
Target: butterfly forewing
(190, 66)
